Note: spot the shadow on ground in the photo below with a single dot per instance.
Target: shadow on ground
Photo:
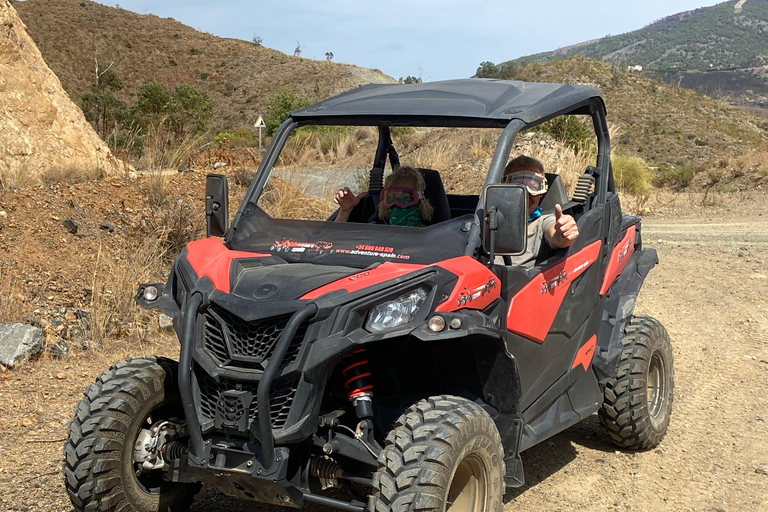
(539, 463)
(553, 455)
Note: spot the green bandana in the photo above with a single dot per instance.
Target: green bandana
(405, 216)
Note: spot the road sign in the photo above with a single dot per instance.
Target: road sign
(260, 124)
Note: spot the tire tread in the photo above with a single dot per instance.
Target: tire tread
(624, 412)
(97, 434)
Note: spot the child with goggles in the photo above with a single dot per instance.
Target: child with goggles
(401, 203)
(558, 229)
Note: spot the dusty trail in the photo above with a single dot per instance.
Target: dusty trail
(710, 290)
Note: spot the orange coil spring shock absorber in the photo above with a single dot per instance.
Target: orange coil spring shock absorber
(357, 381)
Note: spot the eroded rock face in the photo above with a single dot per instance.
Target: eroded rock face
(19, 342)
(40, 128)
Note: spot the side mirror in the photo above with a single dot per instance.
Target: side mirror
(505, 229)
(216, 211)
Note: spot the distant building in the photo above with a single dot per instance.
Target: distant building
(635, 69)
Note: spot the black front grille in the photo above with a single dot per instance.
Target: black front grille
(234, 342)
(221, 396)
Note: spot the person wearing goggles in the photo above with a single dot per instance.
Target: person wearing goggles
(558, 229)
(401, 203)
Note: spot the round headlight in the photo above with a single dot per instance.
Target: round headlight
(150, 293)
(436, 323)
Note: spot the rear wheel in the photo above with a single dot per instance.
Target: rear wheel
(637, 403)
(444, 455)
(100, 470)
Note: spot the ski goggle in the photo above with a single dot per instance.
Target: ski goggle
(535, 183)
(400, 196)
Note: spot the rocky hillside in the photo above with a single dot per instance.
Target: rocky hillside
(663, 124)
(237, 75)
(41, 130)
(720, 50)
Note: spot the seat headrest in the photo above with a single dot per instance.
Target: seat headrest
(555, 193)
(435, 193)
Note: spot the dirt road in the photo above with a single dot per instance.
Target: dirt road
(710, 289)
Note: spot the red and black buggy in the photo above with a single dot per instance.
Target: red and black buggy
(384, 368)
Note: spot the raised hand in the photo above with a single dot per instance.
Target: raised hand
(566, 230)
(346, 199)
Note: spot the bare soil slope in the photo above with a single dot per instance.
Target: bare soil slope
(237, 75)
(661, 123)
(709, 289)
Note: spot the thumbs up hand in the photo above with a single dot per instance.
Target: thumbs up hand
(565, 229)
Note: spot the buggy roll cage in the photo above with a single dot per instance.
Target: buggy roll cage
(468, 103)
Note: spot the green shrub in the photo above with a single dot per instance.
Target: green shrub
(238, 138)
(281, 104)
(401, 131)
(631, 174)
(677, 177)
(329, 141)
(131, 144)
(487, 69)
(763, 170)
(570, 131)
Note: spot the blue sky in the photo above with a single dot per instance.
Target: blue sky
(434, 39)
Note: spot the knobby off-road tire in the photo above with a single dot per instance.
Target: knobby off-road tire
(443, 454)
(99, 470)
(637, 402)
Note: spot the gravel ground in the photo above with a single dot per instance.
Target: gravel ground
(710, 290)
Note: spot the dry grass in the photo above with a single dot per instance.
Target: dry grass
(118, 270)
(561, 160)
(631, 174)
(12, 298)
(18, 177)
(285, 200)
(163, 150)
(22, 177)
(69, 175)
(162, 155)
(308, 149)
(440, 154)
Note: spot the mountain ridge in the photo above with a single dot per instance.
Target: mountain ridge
(239, 76)
(720, 50)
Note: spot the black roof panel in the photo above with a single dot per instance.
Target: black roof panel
(474, 101)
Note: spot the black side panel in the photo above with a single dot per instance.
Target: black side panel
(615, 223)
(619, 305)
(576, 396)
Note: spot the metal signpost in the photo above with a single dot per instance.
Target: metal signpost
(259, 124)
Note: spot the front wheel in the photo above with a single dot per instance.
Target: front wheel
(100, 469)
(443, 455)
(637, 403)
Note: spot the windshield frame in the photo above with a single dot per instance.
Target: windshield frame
(504, 145)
